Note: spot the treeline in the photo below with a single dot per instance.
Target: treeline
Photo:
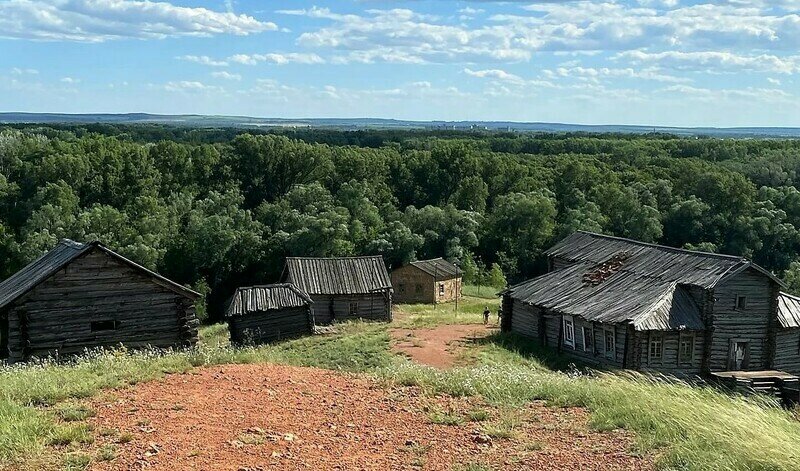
(215, 209)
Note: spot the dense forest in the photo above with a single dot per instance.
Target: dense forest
(219, 208)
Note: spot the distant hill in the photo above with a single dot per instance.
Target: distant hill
(373, 123)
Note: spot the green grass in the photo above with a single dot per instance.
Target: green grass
(477, 291)
(470, 311)
(685, 427)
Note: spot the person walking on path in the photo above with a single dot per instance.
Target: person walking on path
(486, 314)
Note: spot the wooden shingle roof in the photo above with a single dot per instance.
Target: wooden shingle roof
(336, 276)
(439, 268)
(788, 310)
(666, 263)
(30, 276)
(266, 298)
(623, 297)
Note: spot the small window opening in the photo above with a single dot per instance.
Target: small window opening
(441, 289)
(418, 288)
(100, 326)
(610, 347)
(741, 302)
(353, 308)
(402, 287)
(656, 349)
(569, 332)
(686, 349)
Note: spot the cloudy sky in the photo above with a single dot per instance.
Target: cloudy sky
(657, 62)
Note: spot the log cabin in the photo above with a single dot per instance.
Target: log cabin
(81, 296)
(622, 303)
(261, 314)
(343, 288)
(427, 281)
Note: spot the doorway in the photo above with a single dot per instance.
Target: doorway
(739, 357)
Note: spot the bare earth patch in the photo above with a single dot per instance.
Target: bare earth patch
(438, 346)
(259, 417)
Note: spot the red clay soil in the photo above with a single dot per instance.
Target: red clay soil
(438, 346)
(269, 417)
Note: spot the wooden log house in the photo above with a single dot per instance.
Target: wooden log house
(261, 314)
(80, 296)
(622, 303)
(343, 288)
(427, 281)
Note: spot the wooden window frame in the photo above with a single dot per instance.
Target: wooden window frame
(653, 341)
(590, 346)
(681, 339)
(569, 342)
(418, 288)
(104, 325)
(612, 353)
(352, 308)
(441, 290)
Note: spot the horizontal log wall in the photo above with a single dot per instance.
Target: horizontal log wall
(750, 324)
(525, 319)
(787, 351)
(328, 309)
(58, 314)
(413, 286)
(263, 327)
(668, 363)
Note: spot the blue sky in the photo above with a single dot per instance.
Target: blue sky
(656, 62)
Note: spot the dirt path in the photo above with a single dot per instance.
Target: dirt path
(439, 346)
(268, 417)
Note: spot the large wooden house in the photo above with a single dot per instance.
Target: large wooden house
(622, 303)
(80, 296)
(427, 281)
(343, 288)
(261, 314)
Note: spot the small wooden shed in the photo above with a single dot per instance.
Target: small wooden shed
(343, 288)
(261, 314)
(80, 296)
(427, 281)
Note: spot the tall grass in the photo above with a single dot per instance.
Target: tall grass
(479, 291)
(688, 427)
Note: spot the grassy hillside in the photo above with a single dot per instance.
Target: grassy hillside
(686, 427)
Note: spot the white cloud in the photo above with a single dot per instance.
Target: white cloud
(18, 71)
(190, 86)
(102, 20)
(715, 61)
(204, 60)
(275, 58)
(596, 74)
(226, 75)
(69, 80)
(494, 74)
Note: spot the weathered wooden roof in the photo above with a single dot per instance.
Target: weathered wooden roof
(439, 268)
(21, 282)
(622, 297)
(667, 263)
(344, 275)
(266, 298)
(788, 310)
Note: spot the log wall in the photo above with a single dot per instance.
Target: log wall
(751, 324)
(375, 306)
(414, 286)
(97, 301)
(669, 361)
(787, 351)
(264, 327)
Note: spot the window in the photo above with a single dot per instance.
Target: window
(353, 308)
(656, 350)
(686, 349)
(610, 344)
(741, 302)
(100, 326)
(441, 289)
(587, 339)
(569, 332)
(402, 287)
(418, 288)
